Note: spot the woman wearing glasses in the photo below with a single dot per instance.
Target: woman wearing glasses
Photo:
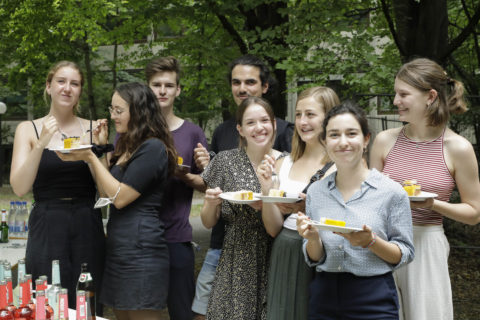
(63, 224)
(135, 281)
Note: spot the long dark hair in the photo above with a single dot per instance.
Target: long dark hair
(146, 121)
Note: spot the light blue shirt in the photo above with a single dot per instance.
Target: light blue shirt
(381, 203)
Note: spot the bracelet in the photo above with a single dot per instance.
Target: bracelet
(372, 242)
(100, 150)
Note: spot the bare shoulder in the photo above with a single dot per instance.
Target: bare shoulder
(457, 146)
(388, 136)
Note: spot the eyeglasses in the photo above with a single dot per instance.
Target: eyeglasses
(115, 111)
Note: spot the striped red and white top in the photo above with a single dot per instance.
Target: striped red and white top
(422, 161)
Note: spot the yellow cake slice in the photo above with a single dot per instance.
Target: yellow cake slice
(277, 193)
(332, 222)
(71, 142)
(243, 195)
(179, 160)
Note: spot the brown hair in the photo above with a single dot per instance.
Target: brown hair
(146, 122)
(327, 98)
(244, 106)
(162, 64)
(424, 75)
(51, 73)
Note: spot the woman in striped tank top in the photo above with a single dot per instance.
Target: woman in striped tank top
(426, 150)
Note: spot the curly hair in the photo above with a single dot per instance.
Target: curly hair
(146, 122)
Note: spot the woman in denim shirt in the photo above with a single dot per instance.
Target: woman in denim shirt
(354, 270)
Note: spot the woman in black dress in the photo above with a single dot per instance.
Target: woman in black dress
(136, 268)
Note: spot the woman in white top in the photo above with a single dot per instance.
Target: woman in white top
(289, 276)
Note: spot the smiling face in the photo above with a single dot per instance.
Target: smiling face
(120, 113)
(309, 116)
(65, 88)
(345, 141)
(411, 102)
(256, 128)
(164, 85)
(246, 82)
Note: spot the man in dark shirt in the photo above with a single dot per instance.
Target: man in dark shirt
(249, 76)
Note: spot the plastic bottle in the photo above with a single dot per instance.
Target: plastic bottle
(21, 219)
(11, 218)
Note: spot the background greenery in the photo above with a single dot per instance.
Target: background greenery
(361, 42)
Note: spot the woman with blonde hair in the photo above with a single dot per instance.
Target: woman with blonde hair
(289, 276)
(426, 150)
(63, 224)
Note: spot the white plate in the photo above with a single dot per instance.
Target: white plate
(423, 196)
(184, 167)
(229, 197)
(63, 150)
(287, 199)
(327, 227)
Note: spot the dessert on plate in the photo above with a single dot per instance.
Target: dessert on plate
(277, 193)
(71, 142)
(243, 195)
(412, 187)
(332, 222)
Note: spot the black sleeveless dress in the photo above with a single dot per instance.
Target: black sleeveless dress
(63, 224)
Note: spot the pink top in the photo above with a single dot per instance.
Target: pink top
(422, 161)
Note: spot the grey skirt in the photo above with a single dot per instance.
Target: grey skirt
(289, 278)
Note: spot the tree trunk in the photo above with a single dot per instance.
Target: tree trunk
(88, 68)
(422, 28)
(264, 17)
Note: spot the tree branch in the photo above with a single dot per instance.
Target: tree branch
(457, 42)
(231, 30)
(389, 19)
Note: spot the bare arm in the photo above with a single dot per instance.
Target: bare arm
(382, 145)
(385, 250)
(27, 153)
(271, 216)
(462, 156)
(315, 249)
(211, 207)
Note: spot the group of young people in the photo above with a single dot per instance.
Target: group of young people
(266, 260)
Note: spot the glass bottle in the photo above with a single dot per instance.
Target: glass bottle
(81, 305)
(5, 314)
(28, 279)
(86, 283)
(10, 306)
(41, 285)
(56, 286)
(20, 274)
(4, 227)
(62, 304)
(41, 312)
(24, 312)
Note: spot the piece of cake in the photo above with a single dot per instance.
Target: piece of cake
(332, 222)
(179, 160)
(277, 193)
(71, 142)
(412, 187)
(243, 195)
